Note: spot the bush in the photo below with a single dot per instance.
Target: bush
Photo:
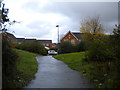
(106, 49)
(81, 46)
(34, 47)
(99, 49)
(115, 41)
(65, 47)
(9, 58)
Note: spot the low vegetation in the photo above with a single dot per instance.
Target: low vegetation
(101, 74)
(26, 66)
(73, 60)
(9, 59)
(35, 47)
(67, 47)
(18, 66)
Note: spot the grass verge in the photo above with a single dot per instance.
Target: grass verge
(73, 60)
(26, 66)
(100, 74)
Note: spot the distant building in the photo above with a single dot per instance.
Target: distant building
(46, 43)
(73, 37)
(20, 40)
(29, 40)
(11, 37)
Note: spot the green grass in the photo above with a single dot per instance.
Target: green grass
(73, 60)
(26, 66)
(26, 62)
(98, 73)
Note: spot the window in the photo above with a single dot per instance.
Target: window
(73, 41)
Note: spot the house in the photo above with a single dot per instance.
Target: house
(73, 37)
(20, 40)
(29, 40)
(46, 43)
(11, 37)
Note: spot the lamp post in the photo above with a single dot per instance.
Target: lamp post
(119, 13)
(58, 33)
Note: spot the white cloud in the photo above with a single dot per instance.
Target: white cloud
(86, 0)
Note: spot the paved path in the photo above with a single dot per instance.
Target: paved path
(53, 73)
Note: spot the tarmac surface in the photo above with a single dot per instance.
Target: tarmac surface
(53, 73)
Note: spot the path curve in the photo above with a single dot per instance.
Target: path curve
(53, 73)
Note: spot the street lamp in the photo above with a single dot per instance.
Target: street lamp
(58, 33)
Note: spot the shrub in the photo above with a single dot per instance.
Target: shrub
(65, 47)
(115, 41)
(9, 58)
(81, 46)
(106, 49)
(34, 47)
(99, 49)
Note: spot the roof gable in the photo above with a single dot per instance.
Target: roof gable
(67, 34)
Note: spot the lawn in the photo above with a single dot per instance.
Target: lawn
(73, 60)
(26, 66)
(98, 73)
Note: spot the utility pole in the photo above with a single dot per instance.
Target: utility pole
(119, 13)
(58, 33)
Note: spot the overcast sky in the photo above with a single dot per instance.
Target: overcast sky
(39, 17)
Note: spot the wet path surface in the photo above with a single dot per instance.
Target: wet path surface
(53, 73)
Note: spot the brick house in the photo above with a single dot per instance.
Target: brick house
(20, 40)
(73, 37)
(11, 37)
(29, 40)
(46, 43)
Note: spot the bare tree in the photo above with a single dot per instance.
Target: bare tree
(91, 26)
